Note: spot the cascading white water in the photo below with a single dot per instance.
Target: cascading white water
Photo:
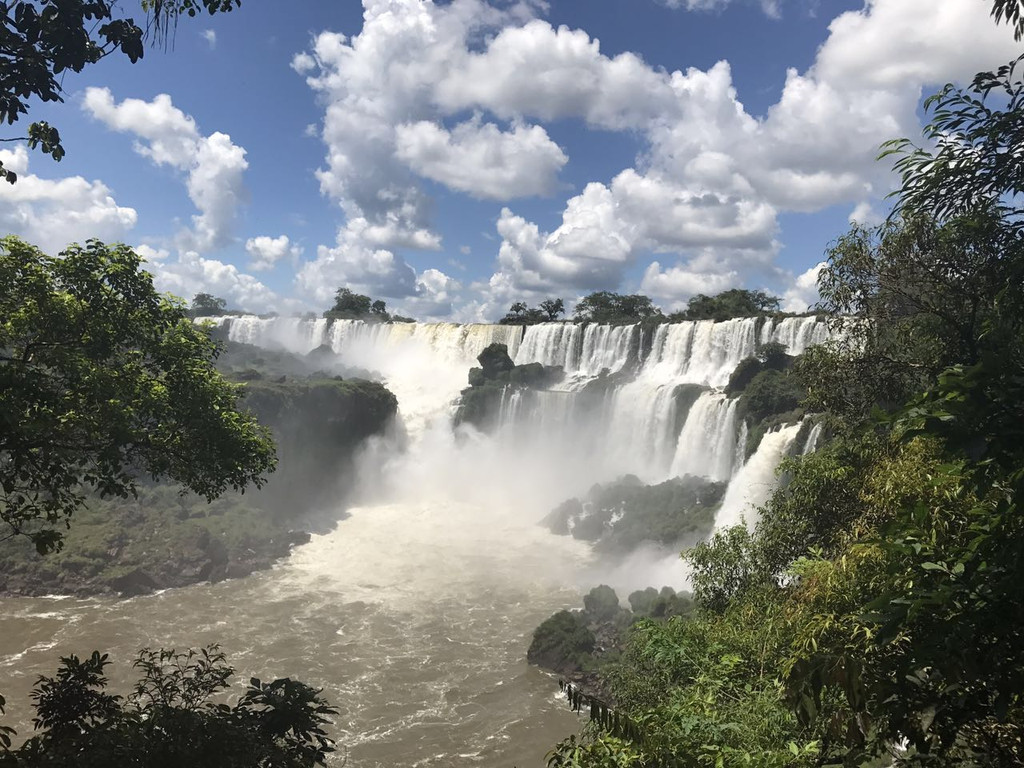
(754, 483)
(707, 444)
(641, 428)
(702, 352)
(635, 427)
(797, 334)
(433, 586)
(291, 333)
(811, 444)
(639, 431)
(580, 350)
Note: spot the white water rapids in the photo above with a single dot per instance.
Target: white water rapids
(415, 612)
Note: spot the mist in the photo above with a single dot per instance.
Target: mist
(626, 404)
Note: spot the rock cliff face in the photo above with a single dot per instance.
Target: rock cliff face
(619, 516)
(480, 403)
(168, 539)
(318, 426)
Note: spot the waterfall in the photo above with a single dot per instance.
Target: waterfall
(811, 445)
(707, 444)
(451, 341)
(634, 423)
(795, 333)
(701, 352)
(753, 484)
(741, 448)
(292, 333)
(641, 432)
(554, 344)
(580, 350)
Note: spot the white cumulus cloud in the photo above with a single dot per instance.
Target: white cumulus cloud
(707, 185)
(213, 164)
(803, 293)
(481, 159)
(51, 213)
(264, 252)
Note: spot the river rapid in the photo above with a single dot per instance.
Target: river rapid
(415, 620)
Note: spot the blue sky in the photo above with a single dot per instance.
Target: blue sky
(454, 157)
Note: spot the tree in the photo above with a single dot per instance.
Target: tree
(522, 314)
(882, 586)
(736, 302)
(169, 719)
(608, 307)
(43, 39)
(103, 380)
(350, 305)
(552, 308)
(206, 305)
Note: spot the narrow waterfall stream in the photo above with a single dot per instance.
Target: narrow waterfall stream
(414, 613)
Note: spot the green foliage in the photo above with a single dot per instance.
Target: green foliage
(171, 717)
(973, 166)
(724, 568)
(163, 538)
(44, 39)
(735, 302)
(626, 513)
(562, 642)
(480, 403)
(770, 392)
(601, 603)
(615, 308)
(350, 305)
(654, 604)
(552, 308)
(522, 314)
(207, 305)
(102, 379)
(695, 691)
(878, 600)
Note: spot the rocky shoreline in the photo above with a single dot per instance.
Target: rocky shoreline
(201, 560)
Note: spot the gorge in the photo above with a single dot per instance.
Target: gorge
(414, 611)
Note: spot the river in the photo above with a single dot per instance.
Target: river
(415, 620)
(414, 613)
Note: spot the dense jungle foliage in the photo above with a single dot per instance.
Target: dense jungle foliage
(874, 616)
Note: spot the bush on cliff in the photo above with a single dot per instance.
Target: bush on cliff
(562, 642)
(601, 603)
(626, 513)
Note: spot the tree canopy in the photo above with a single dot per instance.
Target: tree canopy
(104, 380)
(43, 39)
(726, 305)
(169, 719)
(207, 305)
(608, 307)
(349, 305)
(522, 314)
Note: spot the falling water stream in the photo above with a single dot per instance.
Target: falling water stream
(414, 613)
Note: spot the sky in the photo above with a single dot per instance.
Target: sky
(455, 157)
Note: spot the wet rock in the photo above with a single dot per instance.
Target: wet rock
(135, 582)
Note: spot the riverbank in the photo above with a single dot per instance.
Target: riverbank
(161, 540)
